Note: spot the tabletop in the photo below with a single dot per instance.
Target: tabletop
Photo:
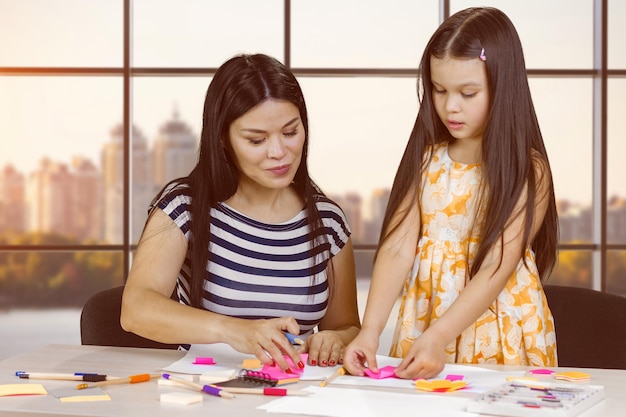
(142, 399)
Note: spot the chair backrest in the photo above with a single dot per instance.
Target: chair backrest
(100, 323)
(590, 327)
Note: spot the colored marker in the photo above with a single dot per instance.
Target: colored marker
(208, 389)
(133, 379)
(294, 340)
(78, 376)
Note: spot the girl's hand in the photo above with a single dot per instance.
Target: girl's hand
(325, 348)
(266, 340)
(360, 354)
(425, 359)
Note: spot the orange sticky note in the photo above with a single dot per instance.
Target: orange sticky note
(439, 385)
(572, 376)
(251, 363)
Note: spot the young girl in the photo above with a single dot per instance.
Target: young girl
(251, 245)
(471, 224)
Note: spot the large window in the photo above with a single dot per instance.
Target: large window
(101, 105)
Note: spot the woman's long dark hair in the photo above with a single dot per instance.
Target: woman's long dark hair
(512, 145)
(240, 84)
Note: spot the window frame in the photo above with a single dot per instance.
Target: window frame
(599, 74)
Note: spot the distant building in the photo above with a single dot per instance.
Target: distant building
(50, 195)
(380, 198)
(12, 200)
(616, 220)
(87, 190)
(175, 151)
(142, 187)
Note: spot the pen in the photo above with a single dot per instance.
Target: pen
(208, 389)
(340, 371)
(78, 376)
(293, 339)
(133, 379)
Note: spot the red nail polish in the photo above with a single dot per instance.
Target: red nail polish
(313, 362)
(288, 370)
(300, 365)
(324, 363)
(331, 363)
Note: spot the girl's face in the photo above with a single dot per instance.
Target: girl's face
(461, 95)
(267, 144)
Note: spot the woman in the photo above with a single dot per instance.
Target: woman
(279, 256)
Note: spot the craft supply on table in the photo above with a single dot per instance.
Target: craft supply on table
(537, 399)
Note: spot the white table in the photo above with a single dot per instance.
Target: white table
(142, 399)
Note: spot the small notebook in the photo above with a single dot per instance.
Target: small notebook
(251, 378)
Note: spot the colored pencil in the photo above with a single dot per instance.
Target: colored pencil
(208, 389)
(133, 379)
(339, 372)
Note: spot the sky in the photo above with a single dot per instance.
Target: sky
(359, 125)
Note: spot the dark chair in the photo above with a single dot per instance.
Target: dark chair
(590, 327)
(100, 323)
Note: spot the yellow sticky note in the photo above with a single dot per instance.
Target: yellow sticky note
(22, 389)
(73, 395)
(520, 378)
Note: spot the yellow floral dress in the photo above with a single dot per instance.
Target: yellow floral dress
(518, 328)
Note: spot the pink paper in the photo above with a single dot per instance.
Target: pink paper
(384, 372)
(452, 377)
(204, 361)
(541, 371)
(277, 373)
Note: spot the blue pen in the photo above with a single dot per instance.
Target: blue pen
(293, 339)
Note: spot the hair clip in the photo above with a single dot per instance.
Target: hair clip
(482, 56)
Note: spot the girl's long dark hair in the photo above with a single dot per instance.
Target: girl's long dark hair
(512, 145)
(240, 84)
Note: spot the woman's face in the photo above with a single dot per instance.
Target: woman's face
(267, 144)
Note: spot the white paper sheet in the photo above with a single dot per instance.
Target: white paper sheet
(478, 379)
(350, 402)
(226, 358)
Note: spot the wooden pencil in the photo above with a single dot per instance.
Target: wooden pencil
(339, 372)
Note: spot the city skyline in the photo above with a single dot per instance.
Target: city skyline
(83, 198)
(359, 123)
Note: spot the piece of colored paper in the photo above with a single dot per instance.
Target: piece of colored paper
(274, 370)
(73, 395)
(384, 372)
(251, 363)
(541, 371)
(572, 376)
(200, 360)
(22, 389)
(439, 385)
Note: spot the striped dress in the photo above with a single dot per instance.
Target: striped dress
(258, 270)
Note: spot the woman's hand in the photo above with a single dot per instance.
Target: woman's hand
(425, 359)
(266, 340)
(325, 348)
(360, 354)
